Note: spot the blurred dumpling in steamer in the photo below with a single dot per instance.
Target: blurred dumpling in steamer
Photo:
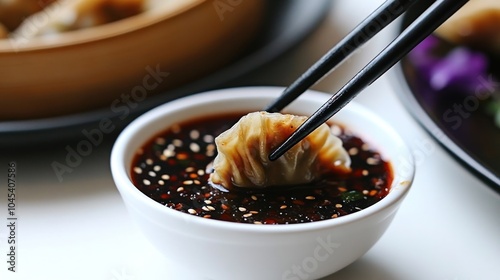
(476, 24)
(13, 12)
(65, 16)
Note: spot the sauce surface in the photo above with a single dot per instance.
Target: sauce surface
(171, 169)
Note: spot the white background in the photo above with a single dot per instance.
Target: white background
(447, 229)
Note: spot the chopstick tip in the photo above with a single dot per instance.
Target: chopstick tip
(276, 154)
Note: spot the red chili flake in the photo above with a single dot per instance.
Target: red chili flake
(182, 156)
(298, 202)
(200, 157)
(226, 217)
(269, 221)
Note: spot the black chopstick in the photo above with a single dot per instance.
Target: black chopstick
(373, 24)
(422, 27)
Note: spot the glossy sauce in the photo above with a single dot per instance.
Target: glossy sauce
(171, 169)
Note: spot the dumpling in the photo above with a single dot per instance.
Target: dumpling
(243, 152)
(13, 12)
(475, 24)
(78, 14)
(63, 16)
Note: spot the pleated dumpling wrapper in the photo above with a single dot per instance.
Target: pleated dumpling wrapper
(243, 153)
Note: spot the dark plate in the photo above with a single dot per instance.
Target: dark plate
(287, 23)
(469, 134)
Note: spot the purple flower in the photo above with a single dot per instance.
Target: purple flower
(461, 68)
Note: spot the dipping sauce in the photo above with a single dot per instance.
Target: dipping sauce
(171, 169)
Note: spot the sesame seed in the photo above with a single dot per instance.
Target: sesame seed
(197, 182)
(257, 223)
(157, 168)
(338, 205)
(165, 177)
(191, 211)
(207, 216)
(161, 182)
(152, 173)
(201, 172)
(372, 161)
(365, 192)
(188, 182)
(149, 161)
(177, 142)
(283, 207)
(335, 216)
(208, 138)
(160, 141)
(195, 148)
(204, 208)
(373, 192)
(146, 182)
(242, 209)
(208, 201)
(353, 151)
(310, 197)
(211, 208)
(210, 153)
(365, 147)
(224, 207)
(168, 153)
(175, 128)
(247, 215)
(365, 172)
(254, 212)
(180, 189)
(190, 169)
(137, 170)
(210, 147)
(254, 197)
(194, 134)
(210, 150)
(342, 189)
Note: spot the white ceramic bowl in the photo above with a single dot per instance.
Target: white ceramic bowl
(198, 248)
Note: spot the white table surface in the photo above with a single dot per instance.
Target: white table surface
(447, 229)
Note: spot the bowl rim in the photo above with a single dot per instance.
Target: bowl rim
(399, 187)
(100, 32)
